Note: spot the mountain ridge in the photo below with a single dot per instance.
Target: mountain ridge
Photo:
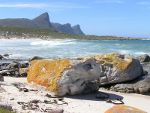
(41, 22)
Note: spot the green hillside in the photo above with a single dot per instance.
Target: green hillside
(12, 32)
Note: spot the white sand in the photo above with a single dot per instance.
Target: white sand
(76, 104)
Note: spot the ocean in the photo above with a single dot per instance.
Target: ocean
(67, 48)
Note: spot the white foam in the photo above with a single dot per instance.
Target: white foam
(140, 53)
(51, 43)
(124, 51)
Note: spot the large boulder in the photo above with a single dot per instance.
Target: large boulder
(64, 76)
(117, 68)
(124, 109)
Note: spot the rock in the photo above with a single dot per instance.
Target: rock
(23, 72)
(6, 55)
(1, 78)
(36, 58)
(141, 85)
(144, 58)
(13, 65)
(146, 67)
(117, 68)
(56, 111)
(64, 76)
(124, 109)
(1, 57)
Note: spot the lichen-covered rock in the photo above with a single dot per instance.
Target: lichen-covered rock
(124, 109)
(141, 85)
(117, 68)
(64, 76)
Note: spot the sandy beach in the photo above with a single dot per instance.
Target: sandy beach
(10, 95)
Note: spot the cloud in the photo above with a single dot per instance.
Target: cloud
(54, 5)
(110, 1)
(24, 5)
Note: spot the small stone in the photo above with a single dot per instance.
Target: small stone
(56, 111)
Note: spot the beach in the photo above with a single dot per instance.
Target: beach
(75, 104)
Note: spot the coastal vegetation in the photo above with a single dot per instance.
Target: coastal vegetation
(16, 32)
(3, 110)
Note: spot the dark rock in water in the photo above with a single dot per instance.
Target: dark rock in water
(36, 58)
(6, 55)
(1, 57)
(141, 85)
(144, 58)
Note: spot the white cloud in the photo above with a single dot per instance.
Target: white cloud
(110, 1)
(24, 5)
(54, 5)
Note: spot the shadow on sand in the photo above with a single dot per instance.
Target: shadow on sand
(100, 96)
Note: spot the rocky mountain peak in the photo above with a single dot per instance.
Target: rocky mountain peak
(43, 20)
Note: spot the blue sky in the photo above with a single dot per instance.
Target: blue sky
(99, 17)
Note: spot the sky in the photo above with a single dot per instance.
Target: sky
(96, 17)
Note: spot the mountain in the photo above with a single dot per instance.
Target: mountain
(67, 28)
(41, 22)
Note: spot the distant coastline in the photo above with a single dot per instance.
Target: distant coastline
(46, 34)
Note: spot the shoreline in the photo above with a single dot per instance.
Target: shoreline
(76, 37)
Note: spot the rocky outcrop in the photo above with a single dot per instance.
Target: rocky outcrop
(124, 109)
(13, 68)
(67, 28)
(117, 68)
(43, 21)
(65, 76)
(141, 85)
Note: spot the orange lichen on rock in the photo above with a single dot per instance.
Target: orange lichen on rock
(47, 72)
(114, 59)
(124, 109)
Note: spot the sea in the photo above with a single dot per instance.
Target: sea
(71, 48)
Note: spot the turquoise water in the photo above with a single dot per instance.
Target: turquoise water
(71, 48)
